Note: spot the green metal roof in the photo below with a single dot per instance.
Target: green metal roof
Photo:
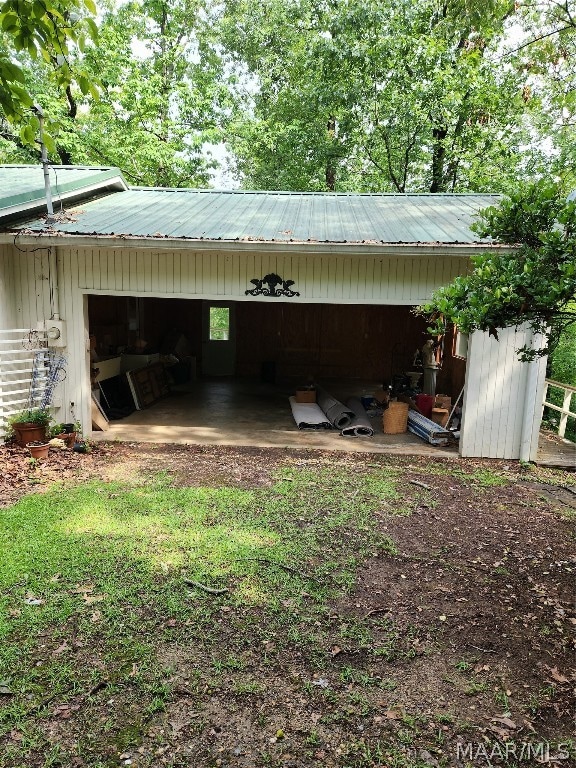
(22, 186)
(284, 217)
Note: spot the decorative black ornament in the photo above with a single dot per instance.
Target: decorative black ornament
(272, 281)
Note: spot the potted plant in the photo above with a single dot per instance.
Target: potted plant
(29, 425)
(65, 432)
(39, 449)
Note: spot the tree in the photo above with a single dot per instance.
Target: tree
(375, 96)
(532, 282)
(163, 95)
(47, 30)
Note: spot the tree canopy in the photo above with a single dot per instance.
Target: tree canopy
(45, 32)
(532, 282)
(374, 95)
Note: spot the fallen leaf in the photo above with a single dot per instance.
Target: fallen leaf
(96, 617)
(505, 721)
(504, 735)
(556, 675)
(61, 649)
(89, 599)
(335, 651)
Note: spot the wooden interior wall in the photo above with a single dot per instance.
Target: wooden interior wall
(304, 340)
(327, 340)
(157, 319)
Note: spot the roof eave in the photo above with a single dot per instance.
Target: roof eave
(26, 237)
(114, 183)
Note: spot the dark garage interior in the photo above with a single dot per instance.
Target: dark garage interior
(272, 348)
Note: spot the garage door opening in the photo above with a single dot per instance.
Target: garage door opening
(189, 370)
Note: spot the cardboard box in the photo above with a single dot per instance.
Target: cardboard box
(443, 401)
(305, 395)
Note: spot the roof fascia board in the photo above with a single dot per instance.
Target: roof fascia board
(243, 246)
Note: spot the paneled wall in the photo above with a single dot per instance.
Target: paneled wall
(496, 385)
(502, 397)
(327, 340)
(353, 279)
(7, 318)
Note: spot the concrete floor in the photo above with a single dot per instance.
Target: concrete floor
(247, 412)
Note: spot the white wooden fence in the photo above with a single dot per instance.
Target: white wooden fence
(18, 350)
(563, 410)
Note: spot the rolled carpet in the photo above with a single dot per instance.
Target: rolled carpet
(336, 412)
(361, 425)
(427, 429)
(309, 415)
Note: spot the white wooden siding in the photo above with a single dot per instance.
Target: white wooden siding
(7, 312)
(496, 397)
(496, 381)
(401, 280)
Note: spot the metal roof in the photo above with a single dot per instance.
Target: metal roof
(22, 186)
(282, 217)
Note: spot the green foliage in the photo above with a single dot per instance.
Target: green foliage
(563, 363)
(387, 96)
(533, 281)
(563, 370)
(39, 416)
(393, 95)
(44, 32)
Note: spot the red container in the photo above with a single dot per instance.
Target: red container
(425, 403)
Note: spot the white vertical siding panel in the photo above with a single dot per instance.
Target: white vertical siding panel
(101, 267)
(19, 288)
(376, 275)
(305, 276)
(7, 287)
(93, 278)
(494, 397)
(185, 278)
(83, 277)
(365, 286)
(140, 277)
(339, 278)
(388, 279)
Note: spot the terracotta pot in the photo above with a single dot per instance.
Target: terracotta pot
(68, 437)
(28, 432)
(39, 451)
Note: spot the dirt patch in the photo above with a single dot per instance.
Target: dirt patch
(460, 637)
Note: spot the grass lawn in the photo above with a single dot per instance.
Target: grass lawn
(213, 607)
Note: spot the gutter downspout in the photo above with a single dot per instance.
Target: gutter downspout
(532, 405)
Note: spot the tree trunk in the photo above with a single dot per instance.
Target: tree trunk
(438, 157)
(330, 167)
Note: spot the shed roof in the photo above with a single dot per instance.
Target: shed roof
(22, 186)
(278, 216)
(236, 215)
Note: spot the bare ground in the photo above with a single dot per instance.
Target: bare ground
(463, 636)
